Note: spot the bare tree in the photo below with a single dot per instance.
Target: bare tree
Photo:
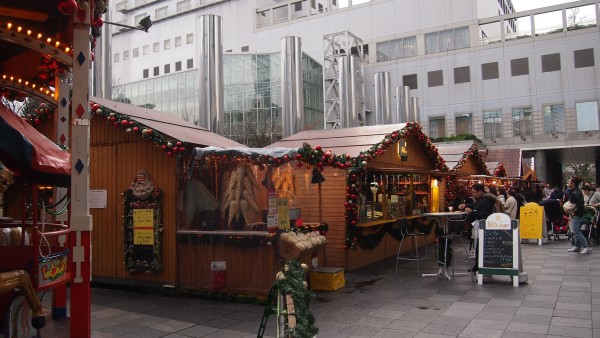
(573, 19)
(586, 171)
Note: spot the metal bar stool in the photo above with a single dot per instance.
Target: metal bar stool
(457, 230)
(414, 251)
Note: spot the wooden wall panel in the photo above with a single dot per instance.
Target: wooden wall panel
(417, 157)
(115, 158)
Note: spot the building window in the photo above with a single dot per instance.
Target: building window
(410, 80)
(167, 68)
(121, 6)
(554, 118)
(161, 13)
(587, 115)
(116, 57)
(492, 124)
(146, 50)
(177, 41)
(177, 66)
(435, 78)
(156, 47)
(519, 67)
(489, 71)
(156, 71)
(396, 49)
(126, 55)
(167, 44)
(145, 73)
(245, 49)
(522, 119)
(584, 58)
(464, 124)
(183, 6)
(437, 127)
(136, 52)
(189, 38)
(551, 62)
(446, 40)
(190, 63)
(462, 75)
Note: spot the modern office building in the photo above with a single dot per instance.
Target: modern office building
(514, 79)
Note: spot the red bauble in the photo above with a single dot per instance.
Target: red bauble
(67, 7)
(170, 154)
(164, 147)
(179, 144)
(124, 123)
(136, 129)
(97, 22)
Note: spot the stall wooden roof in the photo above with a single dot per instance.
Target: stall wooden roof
(350, 141)
(169, 125)
(456, 154)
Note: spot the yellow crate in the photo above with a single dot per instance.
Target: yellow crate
(327, 278)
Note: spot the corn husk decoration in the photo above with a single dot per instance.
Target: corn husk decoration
(238, 199)
(285, 182)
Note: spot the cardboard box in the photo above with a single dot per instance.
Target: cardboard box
(327, 278)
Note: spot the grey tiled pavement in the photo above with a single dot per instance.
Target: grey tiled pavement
(562, 298)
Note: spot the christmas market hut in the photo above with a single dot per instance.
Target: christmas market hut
(393, 178)
(465, 160)
(245, 215)
(137, 159)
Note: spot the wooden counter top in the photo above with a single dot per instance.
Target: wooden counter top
(385, 221)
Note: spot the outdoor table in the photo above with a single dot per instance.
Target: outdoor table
(444, 218)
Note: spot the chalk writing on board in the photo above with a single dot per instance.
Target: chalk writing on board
(498, 249)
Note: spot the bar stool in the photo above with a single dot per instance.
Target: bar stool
(414, 251)
(457, 230)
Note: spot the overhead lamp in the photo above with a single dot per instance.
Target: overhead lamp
(144, 24)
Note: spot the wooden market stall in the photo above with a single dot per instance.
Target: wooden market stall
(393, 179)
(466, 162)
(124, 140)
(237, 202)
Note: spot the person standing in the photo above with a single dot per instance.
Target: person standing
(576, 198)
(483, 207)
(510, 207)
(547, 191)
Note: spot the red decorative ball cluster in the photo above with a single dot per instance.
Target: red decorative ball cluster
(37, 115)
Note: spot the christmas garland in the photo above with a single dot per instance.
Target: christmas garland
(500, 171)
(474, 153)
(42, 112)
(293, 283)
(171, 147)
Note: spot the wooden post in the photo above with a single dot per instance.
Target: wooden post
(81, 220)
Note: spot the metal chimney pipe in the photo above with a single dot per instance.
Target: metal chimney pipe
(345, 91)
(292, 96)
(403, 92)
(210, 72)
(383, 104)
(415, 109)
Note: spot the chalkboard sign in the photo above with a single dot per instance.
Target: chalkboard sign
(498, 249)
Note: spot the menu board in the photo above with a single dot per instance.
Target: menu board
(497, 243)
(498, 249)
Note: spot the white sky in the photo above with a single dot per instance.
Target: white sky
(523, 5)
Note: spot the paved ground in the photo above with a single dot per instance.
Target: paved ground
(562, 298)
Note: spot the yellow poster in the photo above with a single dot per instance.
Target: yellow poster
(531, 220)
(283, 213)
(143, 226)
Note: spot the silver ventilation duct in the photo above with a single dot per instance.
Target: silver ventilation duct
(210, 72)
(349, 92)
(403, 103)
(383, 103)
(414, 109)
(292, 96)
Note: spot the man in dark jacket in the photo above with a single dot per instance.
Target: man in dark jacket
(576, 197)
(483, 207)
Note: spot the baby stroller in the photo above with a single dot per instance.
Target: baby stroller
(557, 222)
(589, 227)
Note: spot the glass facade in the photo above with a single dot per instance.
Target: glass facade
(251, 91)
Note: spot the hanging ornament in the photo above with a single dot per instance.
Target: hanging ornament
(67, 7)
